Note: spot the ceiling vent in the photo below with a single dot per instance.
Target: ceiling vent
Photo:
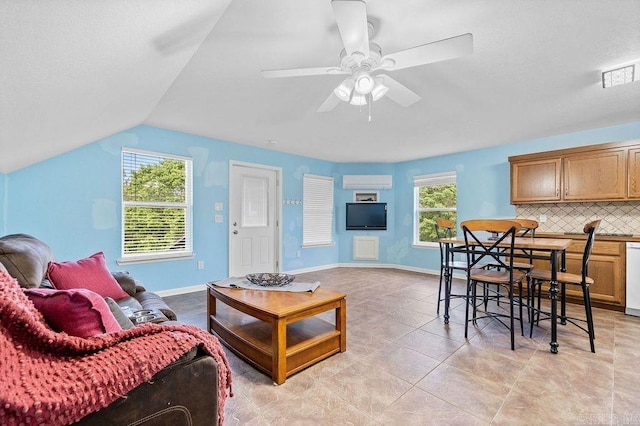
(367, 181)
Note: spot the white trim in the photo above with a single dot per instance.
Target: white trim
(311, 175)
(332, 243)
(155, 258)
(181, 290)
(434, 179)
(426, 245)
(156, 153)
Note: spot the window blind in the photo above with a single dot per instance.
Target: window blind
(317, 207)
(156, 205)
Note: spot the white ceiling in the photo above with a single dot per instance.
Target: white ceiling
(72, 72)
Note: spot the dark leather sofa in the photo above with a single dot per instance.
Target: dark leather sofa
(183, 393)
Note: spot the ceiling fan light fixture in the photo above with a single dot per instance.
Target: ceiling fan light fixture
(343, 91)
(379, 90)
(364, 83)
(358, 99)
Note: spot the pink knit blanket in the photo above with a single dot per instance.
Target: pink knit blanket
(53, 378)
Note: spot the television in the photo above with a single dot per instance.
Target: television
(366, 216)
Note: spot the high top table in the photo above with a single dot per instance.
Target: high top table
(275, 331)
(543, 248)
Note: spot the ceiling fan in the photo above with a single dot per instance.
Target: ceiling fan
(362, 61)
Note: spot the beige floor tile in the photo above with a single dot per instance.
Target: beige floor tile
(369, 390)
(417, 407)
(401, 362)
(430, 344)
(489, 365)
(467, 391)
(404, 366)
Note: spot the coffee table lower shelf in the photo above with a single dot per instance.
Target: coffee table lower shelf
(306, 339)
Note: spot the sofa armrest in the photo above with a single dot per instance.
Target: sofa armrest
(183, 393)
(126, 281)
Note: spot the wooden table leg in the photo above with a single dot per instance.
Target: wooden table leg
(211, 309)
(341, 324)
(279, 344)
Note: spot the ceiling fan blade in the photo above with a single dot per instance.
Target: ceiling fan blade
(301, 72)
(399, 92)
(330, 103)
(437, 51)
(351, 17)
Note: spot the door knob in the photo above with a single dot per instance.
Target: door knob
(235, 232)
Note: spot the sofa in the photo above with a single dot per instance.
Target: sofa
(180, 393)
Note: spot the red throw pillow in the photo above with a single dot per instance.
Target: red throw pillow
(90, 273)
(77, 312)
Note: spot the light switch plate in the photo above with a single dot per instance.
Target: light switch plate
(543, 218)
(218, 218)
(219, 207)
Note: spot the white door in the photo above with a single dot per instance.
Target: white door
(253, 219)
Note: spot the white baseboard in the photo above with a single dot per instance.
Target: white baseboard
(181, 290)
(201, 287)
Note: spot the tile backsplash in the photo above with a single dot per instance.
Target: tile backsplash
(617, 217)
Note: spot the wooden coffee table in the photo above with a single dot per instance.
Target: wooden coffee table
(275, 331)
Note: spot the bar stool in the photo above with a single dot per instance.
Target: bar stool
(537, 277)
(444, 229)
(479, 252)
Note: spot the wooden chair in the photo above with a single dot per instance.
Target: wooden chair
(444, 229)
(480, 252)
(538, 276)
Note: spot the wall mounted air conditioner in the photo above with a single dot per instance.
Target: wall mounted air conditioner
(367, 181)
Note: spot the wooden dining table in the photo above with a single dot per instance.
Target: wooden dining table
(540, 248)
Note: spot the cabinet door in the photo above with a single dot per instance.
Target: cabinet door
(607, 274)
(598, 175)
(534, 181)
(606, 267)
(634, 173)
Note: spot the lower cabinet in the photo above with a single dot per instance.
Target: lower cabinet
(606, 267)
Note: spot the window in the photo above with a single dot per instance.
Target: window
(156, 206)
(434, 198)
(317, 210)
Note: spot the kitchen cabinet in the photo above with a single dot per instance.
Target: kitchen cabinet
(605, 172)
(598, 175)
(634, 173)
(607, 266)
(536, 180)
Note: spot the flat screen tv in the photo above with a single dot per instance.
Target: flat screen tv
(366, 216)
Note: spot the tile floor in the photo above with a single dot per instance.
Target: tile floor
(403, 366)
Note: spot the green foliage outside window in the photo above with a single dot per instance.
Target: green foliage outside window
(435, 202)
(148, 226)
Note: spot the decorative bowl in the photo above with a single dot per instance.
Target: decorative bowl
(267, 279)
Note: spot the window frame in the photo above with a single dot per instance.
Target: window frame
(310, 237)
(187, 205)
(429, 180)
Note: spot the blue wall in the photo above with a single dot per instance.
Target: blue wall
(72, 201)
(343, 196)
(483, 181)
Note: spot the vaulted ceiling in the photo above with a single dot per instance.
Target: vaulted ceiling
(72, 72)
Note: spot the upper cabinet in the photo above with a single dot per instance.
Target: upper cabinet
(598, 175)
(634, 173)
(536, 180)
(607, 172)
